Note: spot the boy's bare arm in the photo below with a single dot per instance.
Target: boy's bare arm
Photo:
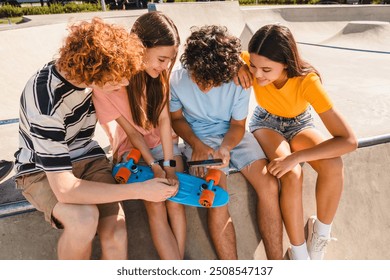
(200, 151)
(183, 129)
(69, 189)
(232, 138)
(234, 135)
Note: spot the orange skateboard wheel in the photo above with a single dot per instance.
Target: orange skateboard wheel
(207, 198)
(133, 154)
(122, 175)
(213, 174)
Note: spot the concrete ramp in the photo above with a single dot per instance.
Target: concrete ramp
(24, 50)
(363, 35)
(344, 26)
(331, 13)
(246, 35)
(186, 15)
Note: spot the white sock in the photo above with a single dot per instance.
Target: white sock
(322, 229)
(300, 252)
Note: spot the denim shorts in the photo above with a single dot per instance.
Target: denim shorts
(157, 153)
(287, 127)
(246, 152)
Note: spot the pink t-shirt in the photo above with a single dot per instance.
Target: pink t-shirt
(111, 106)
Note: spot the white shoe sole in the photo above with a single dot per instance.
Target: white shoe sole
(310, 229)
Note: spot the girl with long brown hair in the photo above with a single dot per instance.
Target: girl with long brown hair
(141, 110)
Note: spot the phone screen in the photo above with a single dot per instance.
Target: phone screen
(206, 162)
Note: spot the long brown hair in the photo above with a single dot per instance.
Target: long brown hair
(277, 43)
(154, 29)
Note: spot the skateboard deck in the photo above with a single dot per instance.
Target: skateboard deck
(190, 187)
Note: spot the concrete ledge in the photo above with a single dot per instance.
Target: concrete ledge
(188, 14)
(364, 211)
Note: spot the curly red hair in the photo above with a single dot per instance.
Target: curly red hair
(98, 53)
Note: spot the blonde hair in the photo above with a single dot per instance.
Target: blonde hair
(98, 53)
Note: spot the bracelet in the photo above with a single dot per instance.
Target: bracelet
(153, 163)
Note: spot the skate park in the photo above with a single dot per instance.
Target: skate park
(349, 45)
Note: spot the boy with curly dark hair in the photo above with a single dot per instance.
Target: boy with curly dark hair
(209, 113)
(61, 170)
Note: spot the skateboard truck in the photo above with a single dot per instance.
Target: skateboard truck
(207, 196)
(130, 167)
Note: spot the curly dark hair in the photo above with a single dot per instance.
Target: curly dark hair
(211, 55)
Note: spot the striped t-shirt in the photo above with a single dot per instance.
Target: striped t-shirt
(57, 124)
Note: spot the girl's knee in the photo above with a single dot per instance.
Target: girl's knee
(293, 177)
(114, 232)
(157, 212)
(113, 237)
(292, 183)
(176, 207)
(155, 208)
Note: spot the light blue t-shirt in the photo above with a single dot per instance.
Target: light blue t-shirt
(208, 114)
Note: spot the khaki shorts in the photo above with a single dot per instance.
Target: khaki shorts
(36, 189)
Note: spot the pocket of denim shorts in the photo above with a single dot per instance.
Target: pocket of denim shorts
(261, 114)
(305, 118)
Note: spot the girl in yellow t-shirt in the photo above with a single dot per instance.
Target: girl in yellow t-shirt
(286, 88)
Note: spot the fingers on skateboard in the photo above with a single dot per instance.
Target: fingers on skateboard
(124, 173)
(207, 196)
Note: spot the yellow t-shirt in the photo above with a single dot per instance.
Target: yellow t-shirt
(294, 97)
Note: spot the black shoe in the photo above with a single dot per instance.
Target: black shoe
(5, 168)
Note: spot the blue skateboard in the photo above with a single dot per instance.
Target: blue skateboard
(193, 191)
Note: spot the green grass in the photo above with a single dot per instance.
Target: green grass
(12, 20)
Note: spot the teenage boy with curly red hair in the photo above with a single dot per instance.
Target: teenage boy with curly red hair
(62, 171)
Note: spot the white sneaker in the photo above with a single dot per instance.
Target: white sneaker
(292, 256)
(316, 244)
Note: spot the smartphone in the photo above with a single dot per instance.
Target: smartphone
(206, 162)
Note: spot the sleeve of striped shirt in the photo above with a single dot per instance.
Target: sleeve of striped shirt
(51, 149)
